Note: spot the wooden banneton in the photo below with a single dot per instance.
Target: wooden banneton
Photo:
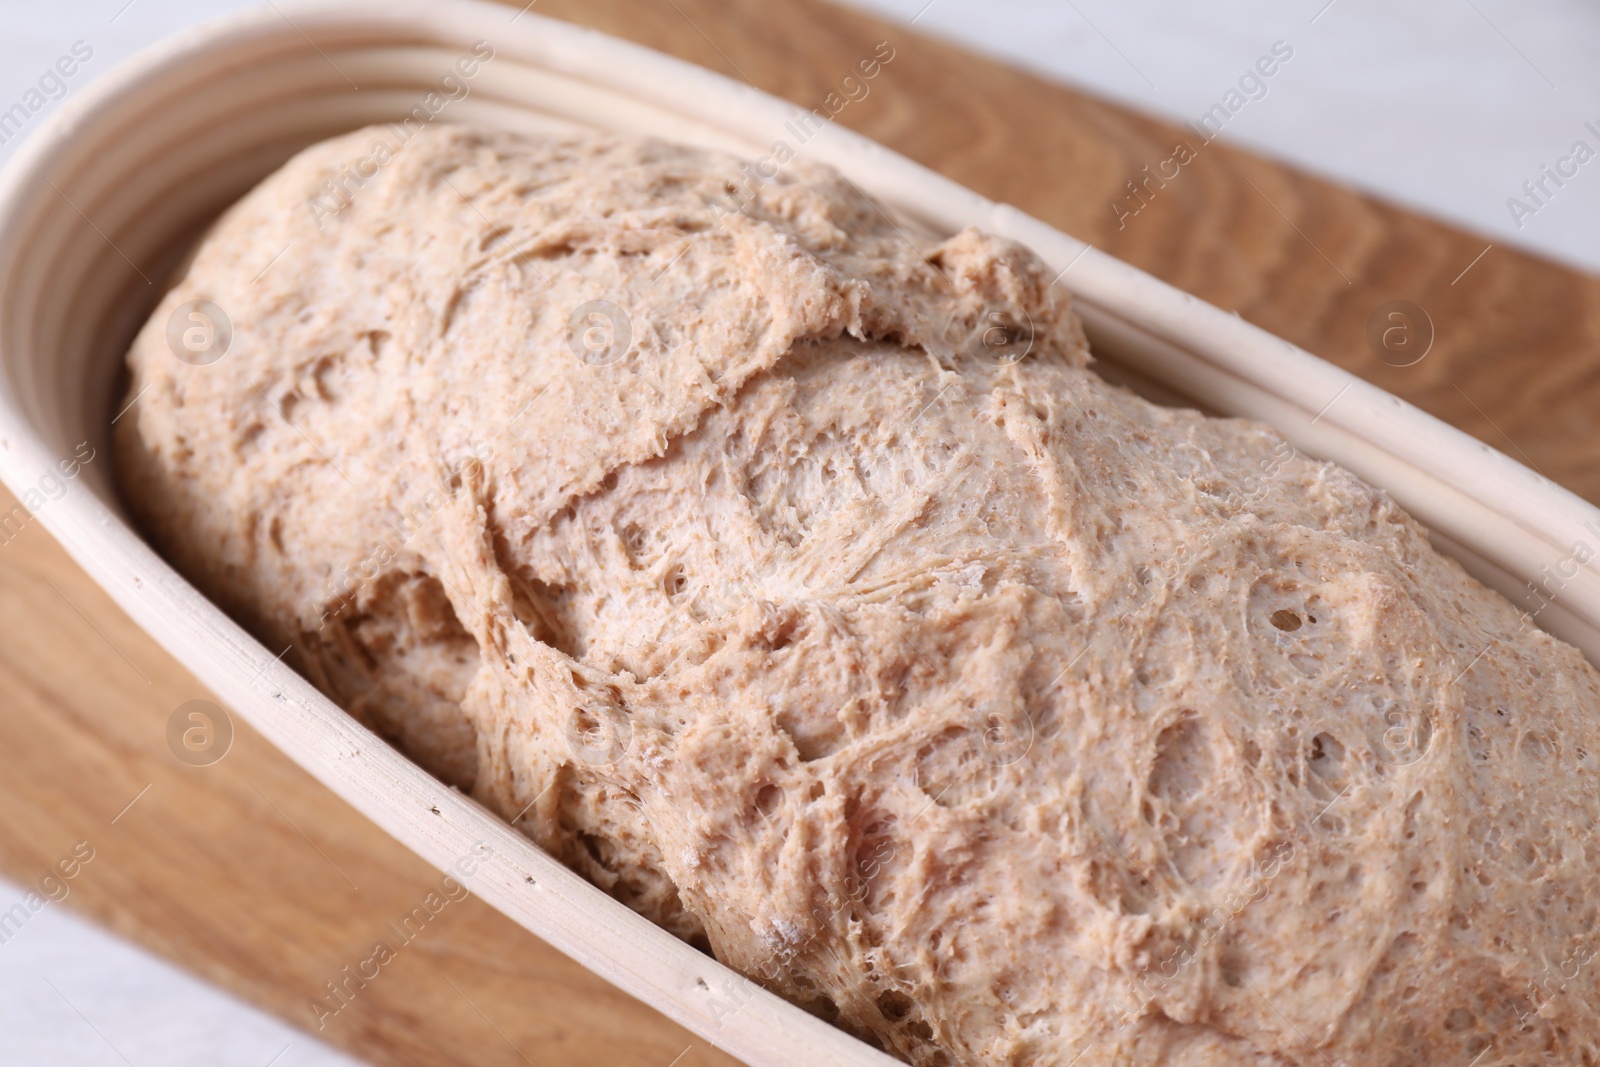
(153, 151)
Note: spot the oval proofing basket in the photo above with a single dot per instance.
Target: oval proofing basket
(107, 195)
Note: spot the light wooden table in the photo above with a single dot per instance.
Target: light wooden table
(253, 876)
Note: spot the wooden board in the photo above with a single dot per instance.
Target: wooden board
(251, 875)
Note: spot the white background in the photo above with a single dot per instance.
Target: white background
(72, 995)
(1447, 106)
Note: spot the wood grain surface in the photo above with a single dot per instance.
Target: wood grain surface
(253, 876)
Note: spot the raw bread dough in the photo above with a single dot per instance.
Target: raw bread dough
(825, 607)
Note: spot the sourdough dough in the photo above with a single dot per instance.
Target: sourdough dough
(970, 701)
